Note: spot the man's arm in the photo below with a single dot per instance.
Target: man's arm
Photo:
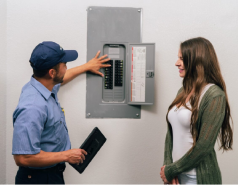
(42, 159)
(93, 66)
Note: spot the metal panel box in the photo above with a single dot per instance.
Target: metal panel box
(111, 30)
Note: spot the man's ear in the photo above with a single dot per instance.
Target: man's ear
(52, 73)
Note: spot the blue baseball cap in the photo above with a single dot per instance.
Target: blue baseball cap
(48, 54)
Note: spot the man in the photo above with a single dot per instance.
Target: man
(41, 144)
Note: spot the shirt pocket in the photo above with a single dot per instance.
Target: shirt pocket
(63, 118)
(59, 131)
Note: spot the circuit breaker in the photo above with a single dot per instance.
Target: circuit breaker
(114, 77)
(129, 82)
(131, 72)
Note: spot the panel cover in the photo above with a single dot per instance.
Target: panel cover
(142, 65)
(108, 24)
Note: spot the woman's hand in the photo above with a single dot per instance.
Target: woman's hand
(162, 175)
(173, 182)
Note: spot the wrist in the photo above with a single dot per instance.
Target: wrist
(168, 173)
(86, 67)
(65, 156)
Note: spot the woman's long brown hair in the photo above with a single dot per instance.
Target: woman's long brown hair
(202, 67)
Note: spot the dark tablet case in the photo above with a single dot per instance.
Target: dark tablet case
(91, 145)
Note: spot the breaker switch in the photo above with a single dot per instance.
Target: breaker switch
(108, 76)
(118, 73)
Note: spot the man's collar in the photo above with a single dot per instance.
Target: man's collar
(40, 88)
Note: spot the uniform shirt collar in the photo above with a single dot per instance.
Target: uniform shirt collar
(40, 88)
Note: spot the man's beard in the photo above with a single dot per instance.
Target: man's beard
(58, 79)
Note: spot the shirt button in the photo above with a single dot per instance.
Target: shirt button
(60, 121)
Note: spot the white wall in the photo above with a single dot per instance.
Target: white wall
(3, 45)
(134, 150)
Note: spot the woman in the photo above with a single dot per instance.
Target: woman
(199, 114)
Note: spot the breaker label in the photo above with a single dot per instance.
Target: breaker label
(114, 53)
(138, 68)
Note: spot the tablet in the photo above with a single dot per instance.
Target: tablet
(91, 145)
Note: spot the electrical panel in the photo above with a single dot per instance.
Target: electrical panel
(129, 82)
(131, 72)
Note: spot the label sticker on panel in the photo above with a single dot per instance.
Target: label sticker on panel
(138, 68)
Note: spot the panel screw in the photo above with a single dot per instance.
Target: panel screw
(90, 8)
(88, 114)
(138, 10)
(137, 115)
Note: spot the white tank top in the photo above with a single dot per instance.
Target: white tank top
(180, 120)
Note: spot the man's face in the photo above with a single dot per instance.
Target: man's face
(60, 73)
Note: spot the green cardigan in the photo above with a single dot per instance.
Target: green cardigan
(202, 156)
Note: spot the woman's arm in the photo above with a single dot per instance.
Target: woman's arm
(168, 146)
(212, 120)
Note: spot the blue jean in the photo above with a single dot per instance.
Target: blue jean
(187, 179)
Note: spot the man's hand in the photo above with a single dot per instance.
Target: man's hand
(93, 66)
(97, 63)
(75, 156)
(162, 175)
(42, 159)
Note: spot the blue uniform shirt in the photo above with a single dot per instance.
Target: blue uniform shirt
(39, 122)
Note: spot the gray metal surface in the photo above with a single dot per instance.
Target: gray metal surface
(107, 24)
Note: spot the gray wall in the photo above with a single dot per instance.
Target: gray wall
(3, 59)
(134, 150)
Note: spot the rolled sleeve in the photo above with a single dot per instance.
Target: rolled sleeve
(28, 127)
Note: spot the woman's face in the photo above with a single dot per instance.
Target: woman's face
(180, 65)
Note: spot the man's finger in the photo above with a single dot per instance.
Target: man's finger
(83, 157)
(99, 73)
(84, 152)
(105, 65)
(102, 57)
(78, 161)
(97, 54)
(105, 60)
